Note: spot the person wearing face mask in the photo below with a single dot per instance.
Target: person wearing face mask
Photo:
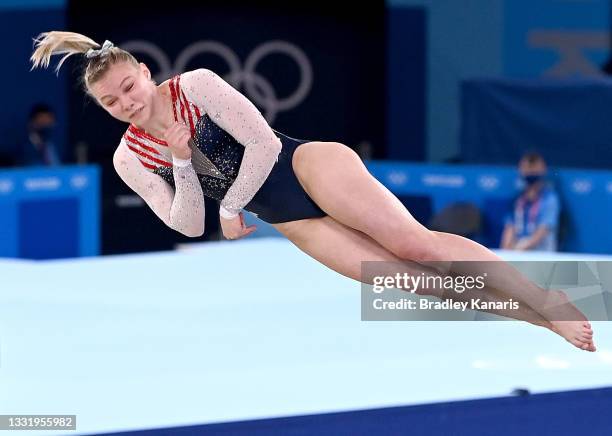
(534, 221)
(39, 147)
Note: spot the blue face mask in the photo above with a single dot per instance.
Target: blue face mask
(532, 179)
(45, 133)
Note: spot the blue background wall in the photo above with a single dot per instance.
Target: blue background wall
(20, 21)
(481, 38)
(464, 39)
(523, 19)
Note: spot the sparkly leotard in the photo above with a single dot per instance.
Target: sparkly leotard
(280, 199)
(237, 158)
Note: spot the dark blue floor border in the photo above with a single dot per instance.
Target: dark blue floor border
(561, 413)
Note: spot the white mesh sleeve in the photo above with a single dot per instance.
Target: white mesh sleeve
(181, 210)
(235, 114)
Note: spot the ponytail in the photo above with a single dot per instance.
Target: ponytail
(99, 57)
(52, 43)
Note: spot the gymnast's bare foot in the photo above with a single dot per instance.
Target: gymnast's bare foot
(568, 322)
(577, 333)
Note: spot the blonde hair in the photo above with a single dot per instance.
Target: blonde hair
(69, 43)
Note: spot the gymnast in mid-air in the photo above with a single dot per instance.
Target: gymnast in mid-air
(194, 135)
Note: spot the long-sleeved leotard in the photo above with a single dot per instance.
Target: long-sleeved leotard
(235, 114)
(239, 159)
(180, 208)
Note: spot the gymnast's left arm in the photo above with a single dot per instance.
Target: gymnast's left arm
(235, 114)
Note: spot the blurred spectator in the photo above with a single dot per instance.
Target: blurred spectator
(39, 147)
(534, 221)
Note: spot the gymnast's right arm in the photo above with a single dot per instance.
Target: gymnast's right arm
(181, 210)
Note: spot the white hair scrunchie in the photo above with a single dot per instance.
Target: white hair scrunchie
(91, 53)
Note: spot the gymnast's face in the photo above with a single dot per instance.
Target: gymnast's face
(126, 92)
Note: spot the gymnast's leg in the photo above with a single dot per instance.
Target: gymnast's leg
(342, 249)
(336, 179)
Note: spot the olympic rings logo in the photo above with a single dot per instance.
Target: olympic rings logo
(257, 88)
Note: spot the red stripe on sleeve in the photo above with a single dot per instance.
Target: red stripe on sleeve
(140, 144)
(148, 156)
(174, 96)
(189, 114)
(141, 134)
(178, 90)
(147, 165)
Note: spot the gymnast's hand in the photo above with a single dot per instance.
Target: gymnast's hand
(234, 228)
(177, 136)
